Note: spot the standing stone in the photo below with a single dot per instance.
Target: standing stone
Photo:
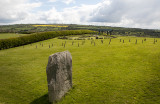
(59, 75)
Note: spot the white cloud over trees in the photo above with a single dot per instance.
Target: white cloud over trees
(126, 13)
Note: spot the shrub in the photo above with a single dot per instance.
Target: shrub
(35, 37)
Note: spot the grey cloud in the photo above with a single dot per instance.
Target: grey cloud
(9, 12)
(145, 11)
(140, 11)
(109, 13)
(15, 10)
(12, 16)
(128, 13)
(3, 20)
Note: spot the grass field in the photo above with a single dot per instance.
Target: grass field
(10, 35)
(115, 73)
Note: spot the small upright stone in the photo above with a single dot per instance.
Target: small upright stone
(59, 75)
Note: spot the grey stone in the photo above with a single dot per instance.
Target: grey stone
(59, 75)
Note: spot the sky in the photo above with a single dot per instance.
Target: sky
(120, 13)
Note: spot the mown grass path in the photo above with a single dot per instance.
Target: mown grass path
(115, 73)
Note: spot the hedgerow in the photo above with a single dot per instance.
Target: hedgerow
(35, 37)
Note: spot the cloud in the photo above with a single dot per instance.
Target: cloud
(15, 10)
(52, 0)
(131, 12)
(68, 1)
(68, 15)
(108, 11)
(64, 1)
(125, 13)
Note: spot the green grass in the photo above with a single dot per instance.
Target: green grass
(10, 35)
(119, 73)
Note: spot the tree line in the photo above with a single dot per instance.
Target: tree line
(36, 37)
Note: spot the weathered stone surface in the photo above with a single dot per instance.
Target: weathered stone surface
(59, 75)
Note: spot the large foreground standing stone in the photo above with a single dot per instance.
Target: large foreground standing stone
(59, 75)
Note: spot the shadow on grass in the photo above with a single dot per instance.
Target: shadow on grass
(42, 100)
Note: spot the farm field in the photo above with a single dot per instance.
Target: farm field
(103, 72)
(50, 25)
(10, 35)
